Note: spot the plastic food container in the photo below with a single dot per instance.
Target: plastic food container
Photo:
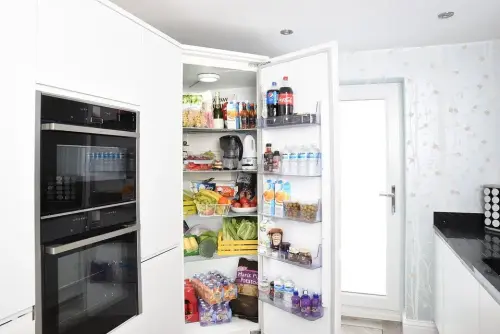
(309, 211)
(195, 165)
(292, 209)
(210, 210)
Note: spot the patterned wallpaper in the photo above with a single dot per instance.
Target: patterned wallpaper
(452, 140)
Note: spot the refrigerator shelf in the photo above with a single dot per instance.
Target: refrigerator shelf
(220, 171)
(206, 130)
(282, 307)
(316, 262)
(300, 220)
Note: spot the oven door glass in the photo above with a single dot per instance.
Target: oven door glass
(81, 171)
(92, 289)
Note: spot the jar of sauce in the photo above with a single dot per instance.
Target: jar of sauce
(293, 255)
(305, 257)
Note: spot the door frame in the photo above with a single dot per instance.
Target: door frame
(393, 309)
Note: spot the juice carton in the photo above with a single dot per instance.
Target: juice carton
(268, 198)
(283, 192)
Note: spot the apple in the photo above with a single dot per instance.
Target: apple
(253, 205)
(246, 205)
(244, 200)
(237, 205)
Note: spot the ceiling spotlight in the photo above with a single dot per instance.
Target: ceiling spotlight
(445, 15)
(208, 77)
(286, 32)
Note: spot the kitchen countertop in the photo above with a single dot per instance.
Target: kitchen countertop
(471, 242)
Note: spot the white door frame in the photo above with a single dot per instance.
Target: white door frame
(388, 307)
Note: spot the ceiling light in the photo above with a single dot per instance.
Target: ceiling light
(286, 32)
(445, 15)
(208, 77)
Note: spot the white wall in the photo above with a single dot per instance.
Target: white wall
(452, 130)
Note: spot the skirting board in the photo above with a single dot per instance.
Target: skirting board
(418, 327)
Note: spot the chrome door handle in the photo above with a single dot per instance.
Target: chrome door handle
(392, 195)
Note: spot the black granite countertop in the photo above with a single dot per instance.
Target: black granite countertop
(468, 239)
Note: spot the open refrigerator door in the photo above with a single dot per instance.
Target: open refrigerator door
(298, 230)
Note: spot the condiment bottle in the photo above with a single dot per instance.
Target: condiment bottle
(264, 287)
(276, 162)
(271, 290)
(305, 304)
(244, 116)
(295, 302)
(268, 158)
(315, 306)
(278, 290)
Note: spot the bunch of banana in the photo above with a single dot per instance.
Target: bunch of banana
(207, 197)
(188, 203)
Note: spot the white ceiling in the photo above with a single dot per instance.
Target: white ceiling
(228, 78)
(253, 26)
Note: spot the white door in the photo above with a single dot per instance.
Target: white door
(371, 207)
(313, 77)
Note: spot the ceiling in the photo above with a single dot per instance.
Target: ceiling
(253, 26)
(228, 78)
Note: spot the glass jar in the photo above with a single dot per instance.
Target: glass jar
(305, 257)
(293, 255)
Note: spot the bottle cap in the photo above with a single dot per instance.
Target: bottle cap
(274, 83)
(285, 78)
(268, 145)
(295, 293)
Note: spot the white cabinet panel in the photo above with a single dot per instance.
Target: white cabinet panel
(22, 325)
(160, 145)
(17, 135)
(163, 293)
(86, 47)
(489, 313)
(461, 293)
(438, 283)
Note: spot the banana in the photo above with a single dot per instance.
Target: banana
(215, 195)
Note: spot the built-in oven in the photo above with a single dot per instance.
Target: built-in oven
(88, 156)
(90, 266)
(88, 269)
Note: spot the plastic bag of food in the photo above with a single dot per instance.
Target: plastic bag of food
(207, 119)
(191, 110)
(246, 305)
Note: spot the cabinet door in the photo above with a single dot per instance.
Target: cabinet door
(313, 77)
(461, 293)
(438, 283)
(84, 46)
(489, 313)
(160, 146)
(17, 135)
(22, 325)
(163, 293)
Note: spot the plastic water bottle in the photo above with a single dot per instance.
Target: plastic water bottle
(318, 161)
(293, 161)
(289, 287)
(312, 161)
(302, 160)
(99, 162)
(285, 161)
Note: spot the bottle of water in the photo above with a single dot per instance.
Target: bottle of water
(318, 162)
(312, 161)
(302, 160)
(292, 156)
(99, 160)
(285, 161)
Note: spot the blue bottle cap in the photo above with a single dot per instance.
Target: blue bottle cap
(275, 84)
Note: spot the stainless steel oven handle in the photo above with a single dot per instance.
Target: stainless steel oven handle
(58, 249)
(85, 129)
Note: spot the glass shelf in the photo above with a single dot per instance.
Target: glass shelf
(296, 120)
(197, 258)
(230, 214)
(281, 306)
(263, 172)
(301, 220)
(316, 262)
(220, 171)
(206, 130)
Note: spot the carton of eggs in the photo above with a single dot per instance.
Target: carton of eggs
(491, 206)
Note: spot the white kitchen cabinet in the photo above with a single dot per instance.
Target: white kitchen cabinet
(163, 293)
(438, 283)
(22, 325)
(17, 135)
(160, 145)
(489, 313)
(461, 293)
(87, 47)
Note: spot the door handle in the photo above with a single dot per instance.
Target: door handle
(392, 195)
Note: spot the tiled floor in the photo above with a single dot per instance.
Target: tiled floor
(362, 326)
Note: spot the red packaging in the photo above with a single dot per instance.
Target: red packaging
(191, 313)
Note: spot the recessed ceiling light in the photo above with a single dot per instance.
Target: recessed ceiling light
(286, 32)
(445, 15)
(208, 77)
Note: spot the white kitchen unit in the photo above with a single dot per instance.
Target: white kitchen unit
(21, 325)
(489, 315)
(461, 304)
(17, 133)
(120, 61)
(86, 47)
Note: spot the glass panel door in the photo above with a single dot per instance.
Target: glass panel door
(91, 289)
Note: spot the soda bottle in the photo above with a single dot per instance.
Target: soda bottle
(272, 100)
(285, 98)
